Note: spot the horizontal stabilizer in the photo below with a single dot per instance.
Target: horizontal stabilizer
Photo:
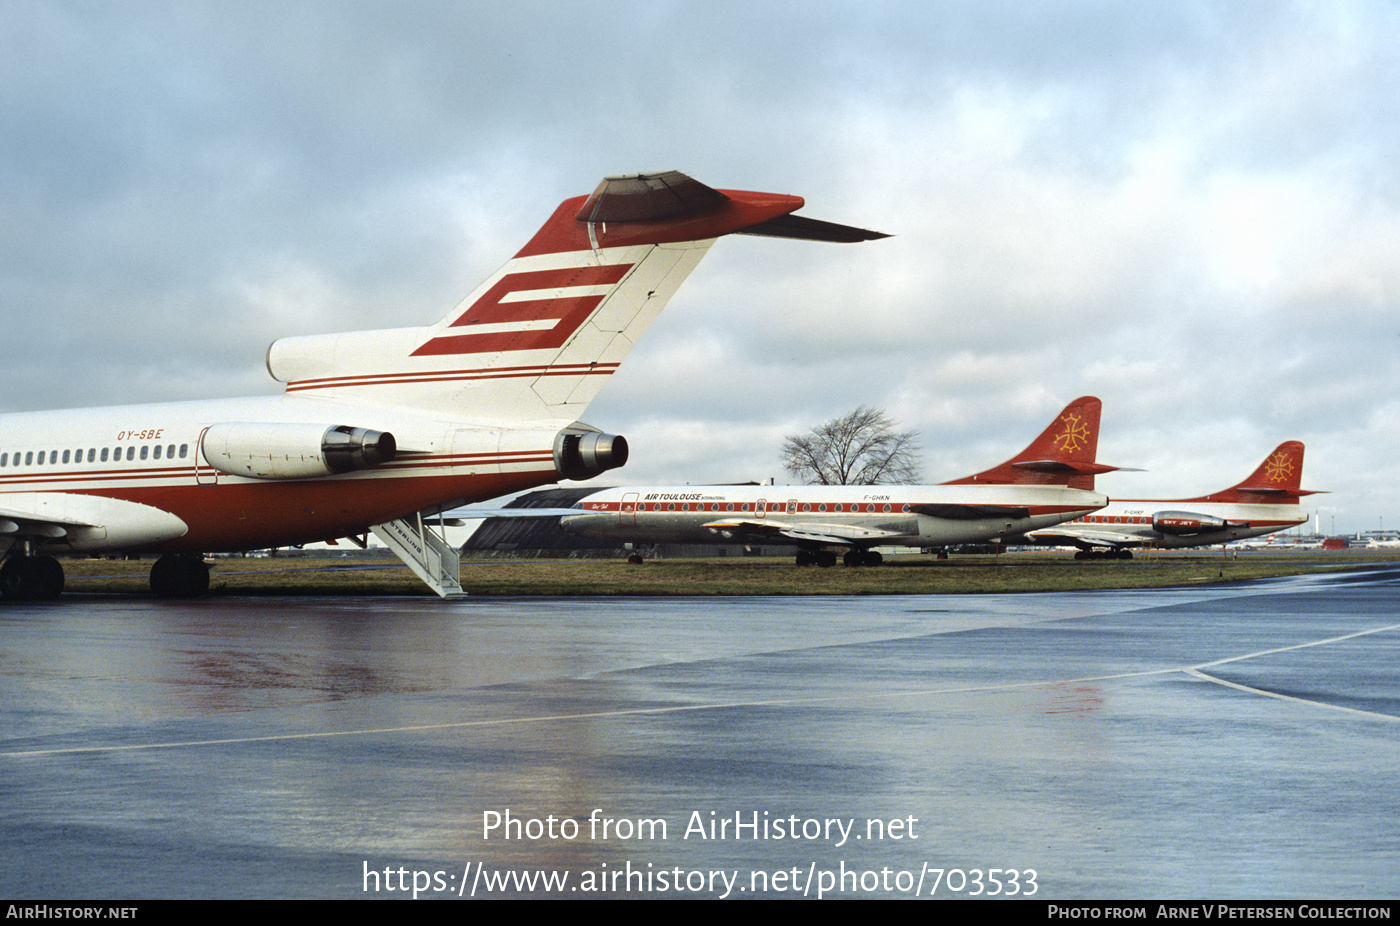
(805, 229)
(672, 194)
(647, 198)
(1281, 493)
(1067, 466)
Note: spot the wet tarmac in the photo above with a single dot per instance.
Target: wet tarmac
(1213, 742)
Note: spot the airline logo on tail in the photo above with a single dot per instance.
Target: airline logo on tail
(1279, 467)
(534, 310)
(1075, 436)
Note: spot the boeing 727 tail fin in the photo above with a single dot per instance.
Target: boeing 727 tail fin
(539, 338)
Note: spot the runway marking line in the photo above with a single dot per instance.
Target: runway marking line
(1194, 671)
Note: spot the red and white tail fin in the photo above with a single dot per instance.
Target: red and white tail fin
(1063, 454)
(1275, 482)
(538, 339)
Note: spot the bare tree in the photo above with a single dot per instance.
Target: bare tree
(860, 449)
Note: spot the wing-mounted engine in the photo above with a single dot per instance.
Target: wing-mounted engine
(294, 451)
(1179, 523)
(581, 452)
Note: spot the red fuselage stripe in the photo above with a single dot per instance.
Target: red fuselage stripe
(394, 379)
(781, 507)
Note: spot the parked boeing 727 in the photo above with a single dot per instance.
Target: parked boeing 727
(1265, 502)
(1050, 481)
(378, 430)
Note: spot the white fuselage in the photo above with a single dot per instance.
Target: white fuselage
(859, 516)
(139, 475)
(1136, 522)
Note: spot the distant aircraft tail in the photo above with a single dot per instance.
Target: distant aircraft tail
(539, 338)
(1063, 454)
(1275, 482)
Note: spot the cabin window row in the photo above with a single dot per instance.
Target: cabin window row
(1114, 519)
(94, 455)
(789, 507)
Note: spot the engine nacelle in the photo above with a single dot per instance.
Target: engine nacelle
(582, 454)
(1186, 522)
(294, 451)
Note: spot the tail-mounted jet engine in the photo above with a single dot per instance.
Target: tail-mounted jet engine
(1187, 522)
(580, 454)
(294, 451)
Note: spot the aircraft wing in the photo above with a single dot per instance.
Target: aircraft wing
(1087, 538)
(954, 512)
(85, 518)
(35, 523)
(467, 514)
(845, 534)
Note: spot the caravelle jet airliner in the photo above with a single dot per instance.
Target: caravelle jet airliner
(1265, 502)
(1052, 480)
(378, 430)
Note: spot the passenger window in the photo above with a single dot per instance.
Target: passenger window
(104, 454)
(145, 451)
(183, 449)
(65, 456)
(41, 458)
(92, 454)
(157, 452)
(28, 457)
(170, 452)
(131, 452)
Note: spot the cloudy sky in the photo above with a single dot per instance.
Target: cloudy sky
(1190, 210)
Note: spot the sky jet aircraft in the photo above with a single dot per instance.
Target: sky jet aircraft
(1050, 481)
(1265, 502)
(378, 430)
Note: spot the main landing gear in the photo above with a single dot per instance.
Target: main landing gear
(1119, 553)
(40, 578)
(31, 578)
(180, 576)
(827, 558)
